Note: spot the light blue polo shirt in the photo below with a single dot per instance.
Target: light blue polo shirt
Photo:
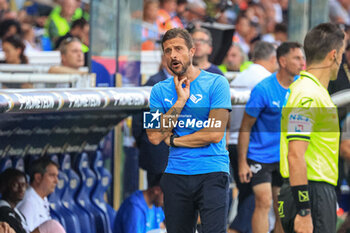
(208, 91)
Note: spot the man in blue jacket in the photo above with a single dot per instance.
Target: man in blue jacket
(141, 212)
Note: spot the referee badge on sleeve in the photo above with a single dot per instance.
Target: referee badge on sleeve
(299, 123)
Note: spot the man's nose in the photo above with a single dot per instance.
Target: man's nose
(173, 54)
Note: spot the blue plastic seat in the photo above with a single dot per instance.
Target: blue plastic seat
(28, 159)
(68, 197)
(88, 181)
(5, 163)
(18, 163)
(103, 181)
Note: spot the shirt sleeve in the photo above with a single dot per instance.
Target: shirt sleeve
(220, 95)
(155, 100)
(301, 119)
(256, 102)
(9, 216)
(134, 220)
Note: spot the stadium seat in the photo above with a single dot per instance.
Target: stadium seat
(103, 182)
(88, 181)
(5, 163)
(68, 200)
(28, 159)
(18, 163)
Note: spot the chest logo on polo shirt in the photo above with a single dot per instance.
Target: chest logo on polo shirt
(276, 103)
(170, 101)
(196, 98)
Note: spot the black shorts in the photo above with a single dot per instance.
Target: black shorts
(265, 173)
(323, 207)
(186, 195)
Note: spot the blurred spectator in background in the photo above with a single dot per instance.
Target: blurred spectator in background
(29, 39)
(233, 60)
(10, 27)
(14, 47)
(278, 36)
(142, 211)
(256, 13)
(80, 29)
(150, 33)
(167, 18)
(242, 32)
(343, 79)
(43, 180)
(194, 13)
(181, 8)
(72, 57)
(60, 18)
(36, 12)
(339, 11)
(4, 8)
(203, 43)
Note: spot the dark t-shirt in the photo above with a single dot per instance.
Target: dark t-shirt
(62, 38)
(12, 218)
(214, 69)
(342, 81)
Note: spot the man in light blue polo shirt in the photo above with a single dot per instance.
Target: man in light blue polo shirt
(193, 109)
(259, 138)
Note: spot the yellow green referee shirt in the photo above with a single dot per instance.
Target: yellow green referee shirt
(310, 115)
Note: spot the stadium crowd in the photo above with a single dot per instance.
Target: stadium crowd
(256, 52)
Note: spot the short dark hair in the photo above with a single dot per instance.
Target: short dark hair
(80, 23)
(6, 24)
(179, 2)
(263, 51)
(39, 166)
(281, 27)
(7, 178)
(17, 42)
(321, 40)
(178, 33)
(154, 180)
(285, 48)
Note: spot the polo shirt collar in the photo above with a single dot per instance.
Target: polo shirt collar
(311, 76)
(36, 195)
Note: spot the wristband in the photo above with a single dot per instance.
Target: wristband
(301, 197)
(172, 137)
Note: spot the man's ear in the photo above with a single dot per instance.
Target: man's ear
(192, 51)
(37, 177)
(63, 58)
(332, 55)
(282, 62)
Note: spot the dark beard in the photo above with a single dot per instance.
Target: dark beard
(183, 71)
